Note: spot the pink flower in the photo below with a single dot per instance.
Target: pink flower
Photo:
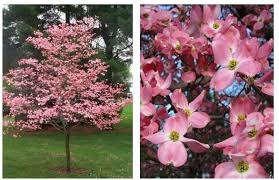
(239, 109)
(234, 58)
(210, 18)
(258, 22)
(171, 138)
(253, 139)
(241, 167)
(189, 111)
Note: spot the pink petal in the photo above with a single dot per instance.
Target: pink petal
(265, 50)
(188, 77)
(222, 79)
(172, 153)
(145, 94)
(196, 14)
(199, 119)
(157, 138)
(268, 89)
(151, 129)
(226, 170)
(196, 103)
(208, 31)
(256, 171)
(266, 144)
(147, 109)
(175, 123)
(227, 142)
(179, 99)
(220, 47)
(257, 26)
(242, 105)
(249, 67)
(269, 115)
(167, 82)
(195, 145)
(211, 13)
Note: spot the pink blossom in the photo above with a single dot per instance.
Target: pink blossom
(170, 139)
(240, 167)
(239, 109)
(189, 111)
(234, 58)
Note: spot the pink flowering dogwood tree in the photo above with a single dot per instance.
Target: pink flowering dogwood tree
(64, 88)
(206, 91)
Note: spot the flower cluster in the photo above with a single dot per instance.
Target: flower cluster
(222, 63)
(65, 86)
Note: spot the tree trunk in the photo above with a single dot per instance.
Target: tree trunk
(67, 149)
(67, 14)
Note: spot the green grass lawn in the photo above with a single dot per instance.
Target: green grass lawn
(102, 154)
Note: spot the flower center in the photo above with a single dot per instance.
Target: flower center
(145, 15)
(174, 136)
(215, 25)
(178, 46)
(188, 112)
(242, 166)
(241, 117)
(232, 64)
(252, 133)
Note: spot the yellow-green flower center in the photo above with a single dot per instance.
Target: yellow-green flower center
(188, 112)
(242, 166)
(178, 46)
(232, 64)
(252, 133)
(193, 49)
(174, 136)
(215, 25)
(241, 117)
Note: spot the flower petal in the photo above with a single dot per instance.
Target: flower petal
(196, 103)
(147, 109)
(157, 138)
(179, 99)
(222, 79)
(226, 170)
(195, 145)
(249, 67)
(255, 171)
(227, 142)
(172, 153)
(266, 144)
(188, 77)
(199, 119)
(175, 123)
